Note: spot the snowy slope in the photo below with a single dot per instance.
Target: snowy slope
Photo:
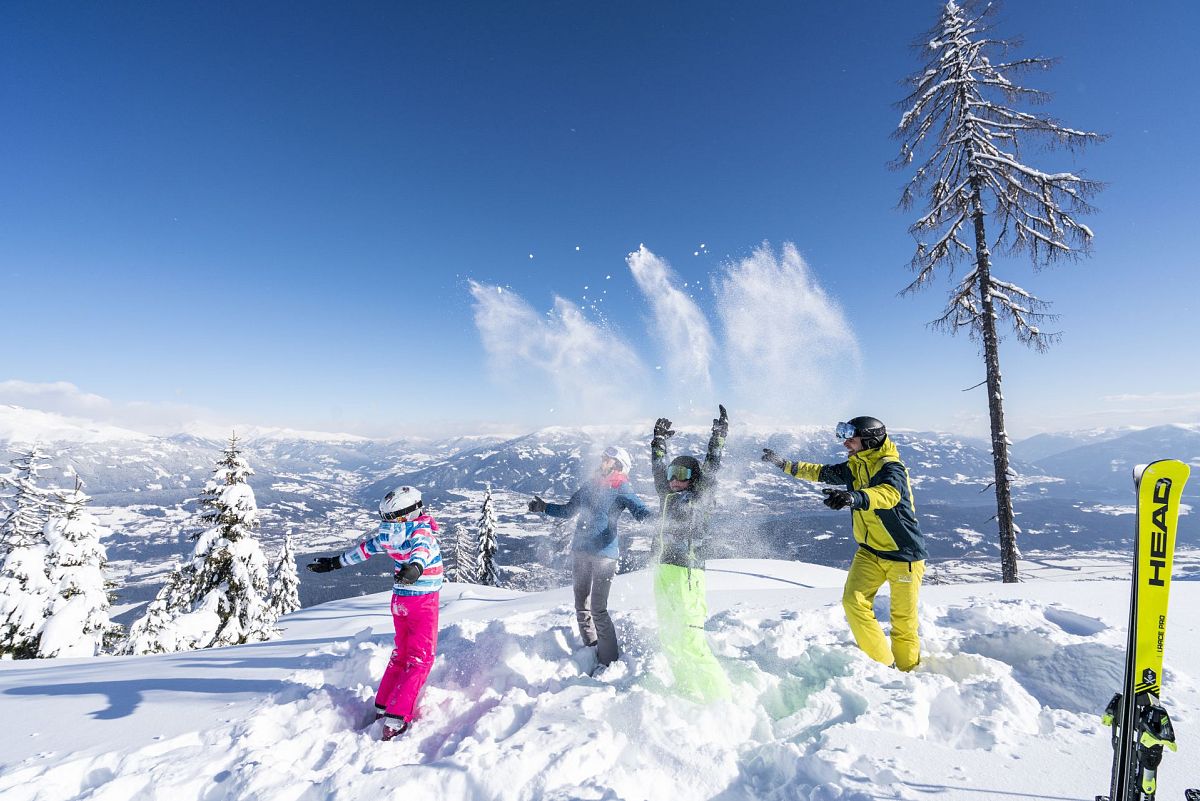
(1005, 705)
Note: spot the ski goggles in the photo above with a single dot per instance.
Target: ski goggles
(845, 431)
(401, 514)
(679, 473)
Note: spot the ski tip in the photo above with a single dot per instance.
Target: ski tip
(1138, 469)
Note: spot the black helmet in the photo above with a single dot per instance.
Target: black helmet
(684, 468)
(872, 431)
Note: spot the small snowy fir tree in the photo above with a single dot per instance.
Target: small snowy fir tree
(285, 583)
(466, 557)
(449, 548)
(221, 596)
(486, 535)
(28, 504)
(26, 592)
(961, 113)
(156, 631)
(79, 623)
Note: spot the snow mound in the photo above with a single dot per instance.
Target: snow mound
(1005, 702)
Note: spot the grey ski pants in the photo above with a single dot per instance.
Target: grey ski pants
(593, 580)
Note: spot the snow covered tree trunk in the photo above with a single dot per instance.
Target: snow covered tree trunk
(487, 543)
(991, 356)
(285, 586)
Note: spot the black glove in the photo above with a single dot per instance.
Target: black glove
(662, 429)
(773, 458)
(537, 505)
(840, 499)
(409, 573)
(323, 564)
(721, 424)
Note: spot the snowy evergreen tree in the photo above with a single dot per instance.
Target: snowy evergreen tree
(449, 548)
(156, 632)
(26, 593)
(221, 596)
(285, 583)
(28, 504)
(79, 623)
(486, 537)
(960, 113)
(466, 556)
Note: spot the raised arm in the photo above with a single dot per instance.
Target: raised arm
(716, 443)
(658, 454)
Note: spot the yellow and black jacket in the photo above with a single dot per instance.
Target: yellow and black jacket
(885, 517)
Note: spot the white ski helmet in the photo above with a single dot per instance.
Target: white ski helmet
(618, 455)
(400, 503)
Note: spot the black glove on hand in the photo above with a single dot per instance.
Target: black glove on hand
(771, 457)
(323, 564)
(662, 428)
(840, 499)
(409, 573)
(537, 505)
(721, 424)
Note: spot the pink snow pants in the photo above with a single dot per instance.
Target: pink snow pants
(416, 620)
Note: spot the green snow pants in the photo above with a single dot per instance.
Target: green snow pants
(682, 611)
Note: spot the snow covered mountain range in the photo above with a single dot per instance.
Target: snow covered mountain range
(1073, 492)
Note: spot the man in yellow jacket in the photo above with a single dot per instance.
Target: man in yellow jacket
(891, 547)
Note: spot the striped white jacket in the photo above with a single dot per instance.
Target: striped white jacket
(412, 541)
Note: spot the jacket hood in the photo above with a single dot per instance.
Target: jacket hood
(874, 456)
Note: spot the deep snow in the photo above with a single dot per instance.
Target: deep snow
(1006, 704)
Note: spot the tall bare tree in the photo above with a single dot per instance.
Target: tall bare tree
(961, 125)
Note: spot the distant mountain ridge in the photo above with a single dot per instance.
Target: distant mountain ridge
(1069, 493)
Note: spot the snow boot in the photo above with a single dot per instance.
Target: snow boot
(393, 727)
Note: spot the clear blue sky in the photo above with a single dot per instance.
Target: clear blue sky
(272, 213)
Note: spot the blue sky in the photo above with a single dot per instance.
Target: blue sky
(277, 213)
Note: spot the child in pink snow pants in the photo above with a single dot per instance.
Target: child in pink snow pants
(409, 536)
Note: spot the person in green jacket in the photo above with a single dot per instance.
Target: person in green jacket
(685, 489)
(891, 547)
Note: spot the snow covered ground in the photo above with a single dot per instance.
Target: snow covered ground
(1005, 706)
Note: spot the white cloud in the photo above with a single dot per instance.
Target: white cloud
(64, 398)
(562, 360)
(681, 330)
(792, 353)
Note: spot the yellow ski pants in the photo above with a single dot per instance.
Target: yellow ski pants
(867, 574)
(682, 612)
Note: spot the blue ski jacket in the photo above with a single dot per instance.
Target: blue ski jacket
(599, 504)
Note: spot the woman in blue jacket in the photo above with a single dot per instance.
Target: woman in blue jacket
(596, 547)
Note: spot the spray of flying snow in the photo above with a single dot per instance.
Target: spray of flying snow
(790, 349)
(584, 367)
(679, 325)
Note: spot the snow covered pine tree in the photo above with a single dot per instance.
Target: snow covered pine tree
(486, 528)
(26, 592)
(285, 583)
(79, 623)
(969, 176)
(221, 595)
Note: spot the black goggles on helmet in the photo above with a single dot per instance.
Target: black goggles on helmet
(679, 473)
(845, 431)
(400, 514)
